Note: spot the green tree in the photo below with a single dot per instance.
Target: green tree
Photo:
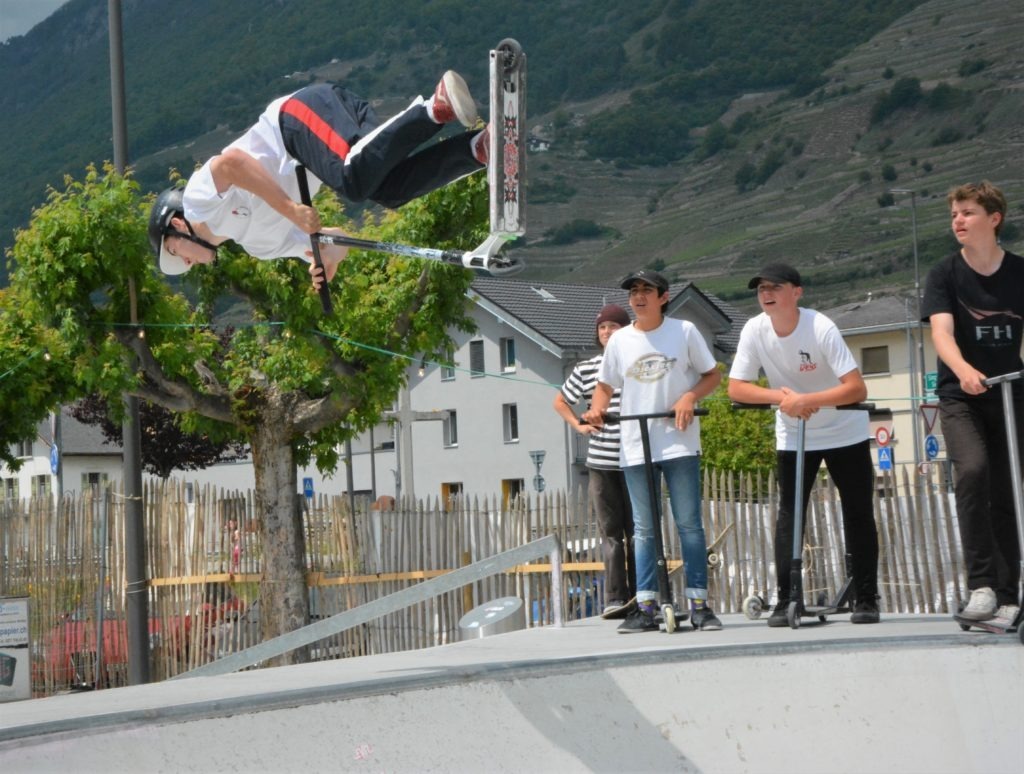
(293, 384)
(742, 441)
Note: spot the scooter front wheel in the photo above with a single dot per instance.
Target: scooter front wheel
(668, 614)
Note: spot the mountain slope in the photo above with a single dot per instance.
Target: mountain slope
(611, 85)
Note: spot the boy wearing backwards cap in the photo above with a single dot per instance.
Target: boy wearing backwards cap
(606, 485)
(660, 364)
(810, 370)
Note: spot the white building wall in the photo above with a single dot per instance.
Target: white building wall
(483, 458)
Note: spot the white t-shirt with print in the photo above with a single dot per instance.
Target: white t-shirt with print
(240, 215)
(810, 359)
(653, 369)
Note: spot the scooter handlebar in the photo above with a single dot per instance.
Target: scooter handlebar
(737, 406)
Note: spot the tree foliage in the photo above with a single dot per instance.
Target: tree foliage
(292, 383)
(165, 447)
(742, 441)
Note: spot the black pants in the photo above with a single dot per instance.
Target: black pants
(609, 498)
(975, 433)
(854, 477)
(338, 137)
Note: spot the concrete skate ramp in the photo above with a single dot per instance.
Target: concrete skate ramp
(915, 696)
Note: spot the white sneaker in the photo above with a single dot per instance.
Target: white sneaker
(453, 102)
(1006, 615)
(982, 605)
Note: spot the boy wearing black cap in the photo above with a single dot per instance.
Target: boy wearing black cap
(660, 364)
(606, 485)
(810, 370)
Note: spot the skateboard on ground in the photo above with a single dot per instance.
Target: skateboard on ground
(1005, 382)
(752, 606)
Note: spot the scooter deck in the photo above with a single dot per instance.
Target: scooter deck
(987, 626)
(506, 174)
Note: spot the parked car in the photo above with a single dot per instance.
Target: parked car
(67, 652)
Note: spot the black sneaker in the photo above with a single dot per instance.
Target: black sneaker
(704, 619)
(640, 619)
(865, 611)
(778, 617)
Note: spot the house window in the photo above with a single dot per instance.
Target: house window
(511, 488)
(449, 493)
(874, 360)
(447, 373)
(93, 483)
(510, 422)
(10, 489)
(508, 354)
(451, 429)
(476, 358)
(41, 486)
(23, 448)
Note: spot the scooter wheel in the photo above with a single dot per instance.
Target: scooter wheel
(752, 607)
(965, 627)
(714, 559)
(668, 614)
(793, 615)
(511, 50)
(1020, 632)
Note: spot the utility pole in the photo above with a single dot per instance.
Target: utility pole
(137, 603)
(919, 388)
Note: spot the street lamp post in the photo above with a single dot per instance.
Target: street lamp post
(920, 388)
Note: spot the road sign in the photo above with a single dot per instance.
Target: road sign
(307, 487)
(539, 483)
(884, 458)
(929, 412)
(54, 459)
(931, 447)
(882, 436)
(931, 382)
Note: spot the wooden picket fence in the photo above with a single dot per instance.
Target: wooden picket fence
(204, 562)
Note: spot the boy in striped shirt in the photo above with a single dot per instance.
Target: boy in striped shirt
(606, 486)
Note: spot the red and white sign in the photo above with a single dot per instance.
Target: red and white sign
(929, 412)
(882, 436)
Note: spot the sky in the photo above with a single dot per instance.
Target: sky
(19, 16)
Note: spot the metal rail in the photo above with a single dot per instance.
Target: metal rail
(421, 592)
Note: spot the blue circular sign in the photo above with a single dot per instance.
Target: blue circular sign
(931, 447)
(54, 459)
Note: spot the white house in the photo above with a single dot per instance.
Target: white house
(897, 359)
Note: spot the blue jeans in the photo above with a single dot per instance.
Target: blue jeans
(682, 474)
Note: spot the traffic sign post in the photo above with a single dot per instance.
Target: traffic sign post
(929, 413)
(884, 458)
(307, 487)
(882, 436)
(931, 447)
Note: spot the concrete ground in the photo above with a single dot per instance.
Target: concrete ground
(912, 694)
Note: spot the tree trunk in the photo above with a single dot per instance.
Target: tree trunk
(284, 597)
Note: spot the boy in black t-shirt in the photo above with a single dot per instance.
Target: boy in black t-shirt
(974, 300)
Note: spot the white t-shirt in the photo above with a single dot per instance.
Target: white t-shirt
(653, 369)
(240, 215)
(810, 359)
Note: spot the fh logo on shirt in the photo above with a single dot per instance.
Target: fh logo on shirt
(650, 368)
(806, 364)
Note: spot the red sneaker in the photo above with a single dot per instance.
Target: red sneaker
(453, 102)
(482, 146)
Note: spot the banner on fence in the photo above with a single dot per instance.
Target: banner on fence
(15, 669)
